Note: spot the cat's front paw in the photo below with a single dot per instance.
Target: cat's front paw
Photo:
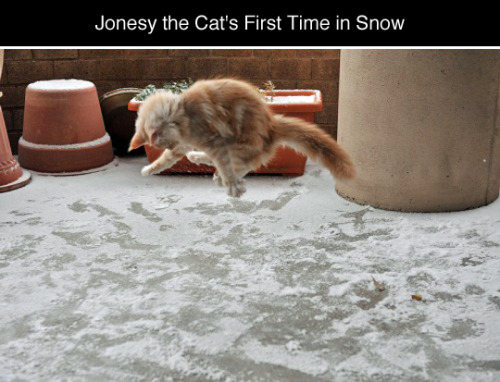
(195, 157)
(148, 170)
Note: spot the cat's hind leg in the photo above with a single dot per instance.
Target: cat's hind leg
(218, 179)
(200, 157)
(235, 187)
(240, 169)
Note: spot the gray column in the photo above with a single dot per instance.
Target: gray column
(422, 127)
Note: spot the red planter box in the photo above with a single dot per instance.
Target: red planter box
(294, 103)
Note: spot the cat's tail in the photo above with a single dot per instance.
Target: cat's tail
(314, 142)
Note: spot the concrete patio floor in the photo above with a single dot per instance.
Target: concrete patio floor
(112, 276)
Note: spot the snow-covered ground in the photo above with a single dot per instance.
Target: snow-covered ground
(112, 276)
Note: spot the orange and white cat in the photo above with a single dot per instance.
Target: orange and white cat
(231, 127)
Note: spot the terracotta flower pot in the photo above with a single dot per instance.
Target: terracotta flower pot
(12, 175)
(295, 103)
(118, 120)
(1, 62)
(63, 128)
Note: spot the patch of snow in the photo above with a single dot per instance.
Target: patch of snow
(297, 291)
(73, 146)
(217, 341)
(99, 283)
(286, 356)
(63, 84)
(291, 99)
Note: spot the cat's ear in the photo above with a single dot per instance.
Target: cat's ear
(154, 136)
(136, 141)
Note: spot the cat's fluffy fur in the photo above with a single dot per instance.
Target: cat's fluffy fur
(232, 128)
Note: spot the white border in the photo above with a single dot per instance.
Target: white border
(74, 146)
(146, 47)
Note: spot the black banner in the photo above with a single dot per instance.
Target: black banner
(170, 24)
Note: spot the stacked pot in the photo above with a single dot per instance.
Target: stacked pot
(12, 175)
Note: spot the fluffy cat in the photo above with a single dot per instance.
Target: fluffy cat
(230, 124)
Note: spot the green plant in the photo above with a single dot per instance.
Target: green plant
(173, 86)
(181, 86)
(267, 90)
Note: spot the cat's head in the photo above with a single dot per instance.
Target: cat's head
(159, 121)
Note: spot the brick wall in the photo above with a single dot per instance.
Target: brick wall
(110, 69)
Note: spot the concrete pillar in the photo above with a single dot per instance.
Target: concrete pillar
(422, 127)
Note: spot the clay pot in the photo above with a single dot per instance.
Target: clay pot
(119, 121)
(11, 174)
(1, 62)
(63, 128)
(294, 103)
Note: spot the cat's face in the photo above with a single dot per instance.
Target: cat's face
(159, 121)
